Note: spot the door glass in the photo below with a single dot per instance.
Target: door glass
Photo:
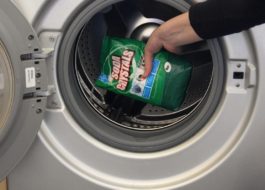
(6, 86)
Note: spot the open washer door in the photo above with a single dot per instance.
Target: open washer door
(23, 86)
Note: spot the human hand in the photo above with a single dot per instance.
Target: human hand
(170, 35)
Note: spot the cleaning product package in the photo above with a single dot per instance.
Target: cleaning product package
(122, 67)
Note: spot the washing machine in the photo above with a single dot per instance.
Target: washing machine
(58, 131)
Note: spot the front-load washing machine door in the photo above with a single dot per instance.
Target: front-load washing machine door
(23, 86)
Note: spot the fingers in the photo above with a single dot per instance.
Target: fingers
(148, 60)
(153, 45)
(173, 49)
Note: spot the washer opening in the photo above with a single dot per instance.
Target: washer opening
(137, 22)
(120, 121)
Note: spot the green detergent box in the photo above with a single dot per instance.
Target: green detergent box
(122, 67)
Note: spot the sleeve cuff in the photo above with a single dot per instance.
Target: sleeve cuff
(206, 19)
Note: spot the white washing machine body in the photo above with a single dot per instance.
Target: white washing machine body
(225, 153)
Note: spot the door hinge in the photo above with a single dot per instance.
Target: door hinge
(50, 91)
(44, 54)
(36, 75)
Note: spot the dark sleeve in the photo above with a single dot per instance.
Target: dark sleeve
(215, 18)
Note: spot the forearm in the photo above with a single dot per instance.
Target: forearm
(210, 19)
(215, 18)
